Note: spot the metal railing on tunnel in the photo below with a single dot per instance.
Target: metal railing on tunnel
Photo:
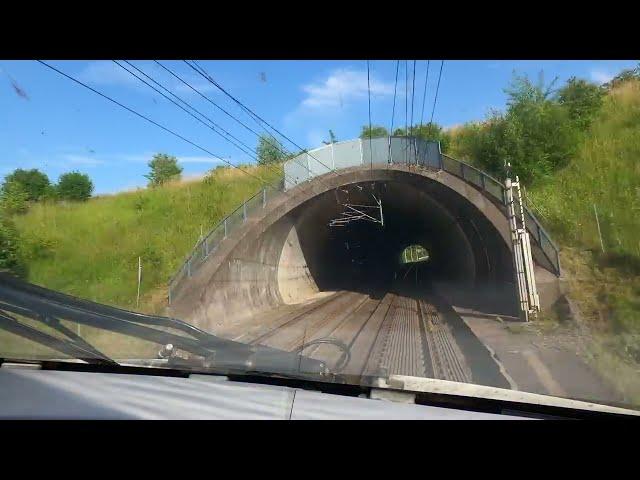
(207, 245)
(385, 151)
(496, 190)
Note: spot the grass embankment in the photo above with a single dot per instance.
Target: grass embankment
(605, 285)
(91, 249)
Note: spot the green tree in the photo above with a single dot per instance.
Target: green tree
(535, 134)
(269, 150)
(33, 181)
(332, 138)
(632, 74)
(376, 131)
(74, 186)
(10, 256)
(582, 100)
(433, 132)
(164, 168)
(13, 198)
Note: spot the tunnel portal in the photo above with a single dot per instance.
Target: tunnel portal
(290, 255)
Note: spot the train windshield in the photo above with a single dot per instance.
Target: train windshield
(340, 221)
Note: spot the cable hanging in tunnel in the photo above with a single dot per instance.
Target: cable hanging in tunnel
(355, 212)
(153, 122)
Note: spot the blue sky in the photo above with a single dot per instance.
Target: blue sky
(49, 122)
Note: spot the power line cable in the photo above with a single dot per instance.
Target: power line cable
(395, 88)
(187, 84)
(208, 77)
(277, 145)
(369, 95)
(435, 99)
(212, 127)
(393, 110)
(242, 147)
(413, 93)
(424, 95)
(168, 130)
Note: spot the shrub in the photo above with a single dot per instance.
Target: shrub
(164, 168)
(33, 182)
(13, 198)
(10, 256)
(74, 186)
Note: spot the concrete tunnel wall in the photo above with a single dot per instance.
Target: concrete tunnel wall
(289, 253)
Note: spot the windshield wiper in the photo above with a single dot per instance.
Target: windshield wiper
(65, 346)
(50, 307)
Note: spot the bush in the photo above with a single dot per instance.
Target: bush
(535, 134)
(74, 186)
(164, 168)
(582, 100)
(433, 132)
(33, 182)
(376, 131)
(269, 150)
(13, 198)
(10, 257)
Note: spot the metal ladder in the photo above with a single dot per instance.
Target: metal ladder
(528, 298)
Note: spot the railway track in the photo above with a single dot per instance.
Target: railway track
(393, 334)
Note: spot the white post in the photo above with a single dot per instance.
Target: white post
(598, 223)
(139, 279)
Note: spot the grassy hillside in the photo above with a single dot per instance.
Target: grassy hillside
(605, 286)
(605, 172)
(91, 249)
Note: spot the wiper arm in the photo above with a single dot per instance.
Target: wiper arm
(67, 347)
(100, 309)
(55, 324)
(49, 307)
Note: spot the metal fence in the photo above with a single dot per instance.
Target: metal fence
(377, 151)
(494, 188)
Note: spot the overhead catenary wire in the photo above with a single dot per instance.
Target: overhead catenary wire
(424, 95)
(254, 116)
(242, 147)
(395, 89)
(277, 145)
(213, 124)
(413, 92)
(202, 72)
(393, 109)
(369, 95)
(188, 85)
(144, 117)
(435, 98)
(208, 77)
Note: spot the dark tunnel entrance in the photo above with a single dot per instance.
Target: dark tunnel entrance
(467, 255)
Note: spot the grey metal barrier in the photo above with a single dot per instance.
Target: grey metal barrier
(495, 189)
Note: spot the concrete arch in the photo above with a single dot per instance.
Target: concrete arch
(288, 254)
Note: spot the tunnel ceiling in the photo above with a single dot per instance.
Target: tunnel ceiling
(464, 246)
